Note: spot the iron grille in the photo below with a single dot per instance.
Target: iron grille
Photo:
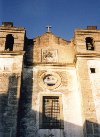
(51, 113)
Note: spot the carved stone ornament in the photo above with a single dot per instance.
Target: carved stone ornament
(49, 56)
(50, 80)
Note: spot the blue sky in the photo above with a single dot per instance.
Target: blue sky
(63, 15)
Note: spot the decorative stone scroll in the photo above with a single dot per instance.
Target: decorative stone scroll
(49, 56)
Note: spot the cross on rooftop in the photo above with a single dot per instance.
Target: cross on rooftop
(48, 28)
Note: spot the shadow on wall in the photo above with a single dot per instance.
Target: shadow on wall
(27, 124)
(8, 105)
(29, 49)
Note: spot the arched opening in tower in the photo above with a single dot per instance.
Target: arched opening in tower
(9, 42)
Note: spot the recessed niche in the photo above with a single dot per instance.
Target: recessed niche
(92, 70)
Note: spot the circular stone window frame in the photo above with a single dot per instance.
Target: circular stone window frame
(57, 84)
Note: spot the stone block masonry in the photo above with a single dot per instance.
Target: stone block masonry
(49, 87)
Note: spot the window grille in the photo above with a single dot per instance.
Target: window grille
(51, 117)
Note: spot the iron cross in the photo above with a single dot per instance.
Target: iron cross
(48, 28)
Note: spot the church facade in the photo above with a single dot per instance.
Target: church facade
(49, 87)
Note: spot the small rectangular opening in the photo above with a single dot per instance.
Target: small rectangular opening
(92, 70)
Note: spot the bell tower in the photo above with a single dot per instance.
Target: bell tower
(87, 44)
(11, 38)
(11, 60)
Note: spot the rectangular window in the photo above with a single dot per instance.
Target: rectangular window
(92, 70)
(51, 113)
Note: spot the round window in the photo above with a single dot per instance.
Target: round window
(50, 80)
